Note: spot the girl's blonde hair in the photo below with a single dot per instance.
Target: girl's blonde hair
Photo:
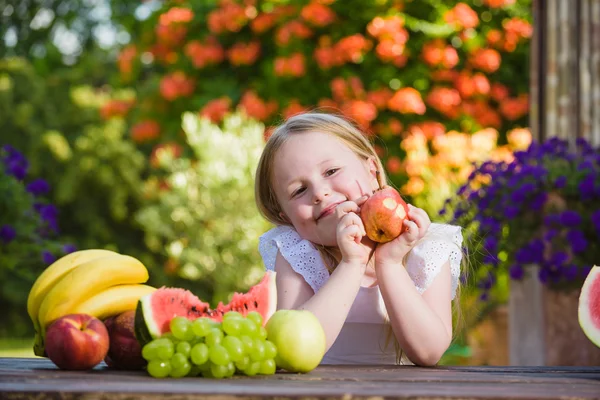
(331, 124)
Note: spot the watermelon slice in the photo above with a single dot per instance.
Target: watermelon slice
(155, 310)
(589, 306)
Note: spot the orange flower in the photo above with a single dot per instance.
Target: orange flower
(469, 86)
(518, 27)
(413, 187)
(145, 130)
(499, 92)
(291, 30)
(230, 17)
(328, 104)
(386, 28)
(125, 60)
(494, 37)
(438, 53)
(204, 54)
(339, 89)
(487, 60)
(498, 3)
(462, 16)
(116, 108)
(361, 111)
(380, 97)
(393, 164)
(244, 53)
(216, 109)
(326, 57)
(519, 138)
(294, 107)
(353, 48)
(263, 22)
(483, 141)
(176, 15)
(317, 14)
(428, 129)
(444, 75)
(481, 111)
(176, 85)
(516, 107)
(291, 66)
(445, 100)
(255, 107)
(164, 152)
(406, 101)
(390, 51)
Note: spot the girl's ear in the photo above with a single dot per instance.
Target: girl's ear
(372, 165)
(284, 217)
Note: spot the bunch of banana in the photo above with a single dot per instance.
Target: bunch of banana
(101, 283)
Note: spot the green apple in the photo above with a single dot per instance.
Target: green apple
(299, 338)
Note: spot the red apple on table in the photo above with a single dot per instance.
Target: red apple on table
(124, 352)
(383, 215)
(77, 342)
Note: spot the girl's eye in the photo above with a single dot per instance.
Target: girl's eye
(331, 171)
(298, 191)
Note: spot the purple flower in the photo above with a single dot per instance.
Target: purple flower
(538, 202)
(38, 187)
(570, 218)
(511, 212)
(577, 240)
(560, 182)
(490, 244)
(7, 233)
(596, 220)
(570, 272)
(47, 257)
(586, 186)
(516, 272)
(550, 234)
(69, 248)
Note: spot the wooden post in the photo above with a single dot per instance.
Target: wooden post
(525, 320)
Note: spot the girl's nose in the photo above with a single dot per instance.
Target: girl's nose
(320, 193)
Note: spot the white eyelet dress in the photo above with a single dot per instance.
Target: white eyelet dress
(365, 337)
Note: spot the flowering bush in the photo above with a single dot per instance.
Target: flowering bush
(541, 208)
(201, 214)
(28, 235)
(395, 67)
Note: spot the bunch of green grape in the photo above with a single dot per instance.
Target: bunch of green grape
(212, 349)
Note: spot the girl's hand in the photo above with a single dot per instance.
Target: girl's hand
(352, 239)
(416, 226)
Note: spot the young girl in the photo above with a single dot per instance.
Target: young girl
(315, 172)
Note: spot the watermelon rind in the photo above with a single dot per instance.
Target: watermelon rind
(142, 332)
(589, 306)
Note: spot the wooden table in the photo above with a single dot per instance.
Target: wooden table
(22, 378)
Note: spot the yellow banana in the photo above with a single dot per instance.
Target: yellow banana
(87, 280)
(113, 301)
(54, 273)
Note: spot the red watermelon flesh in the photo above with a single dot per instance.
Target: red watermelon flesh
(261, 298)
(589, 306)
(155, 310)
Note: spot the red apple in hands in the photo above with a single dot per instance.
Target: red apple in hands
(383, 215)
(124, 351)
(76, 342)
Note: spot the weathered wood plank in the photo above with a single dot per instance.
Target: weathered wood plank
(40, 379)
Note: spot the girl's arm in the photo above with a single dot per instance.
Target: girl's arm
(330, 304)
(422, 324)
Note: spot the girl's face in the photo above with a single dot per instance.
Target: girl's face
(313, 173)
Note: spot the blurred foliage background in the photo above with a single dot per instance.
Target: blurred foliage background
(145, 119)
